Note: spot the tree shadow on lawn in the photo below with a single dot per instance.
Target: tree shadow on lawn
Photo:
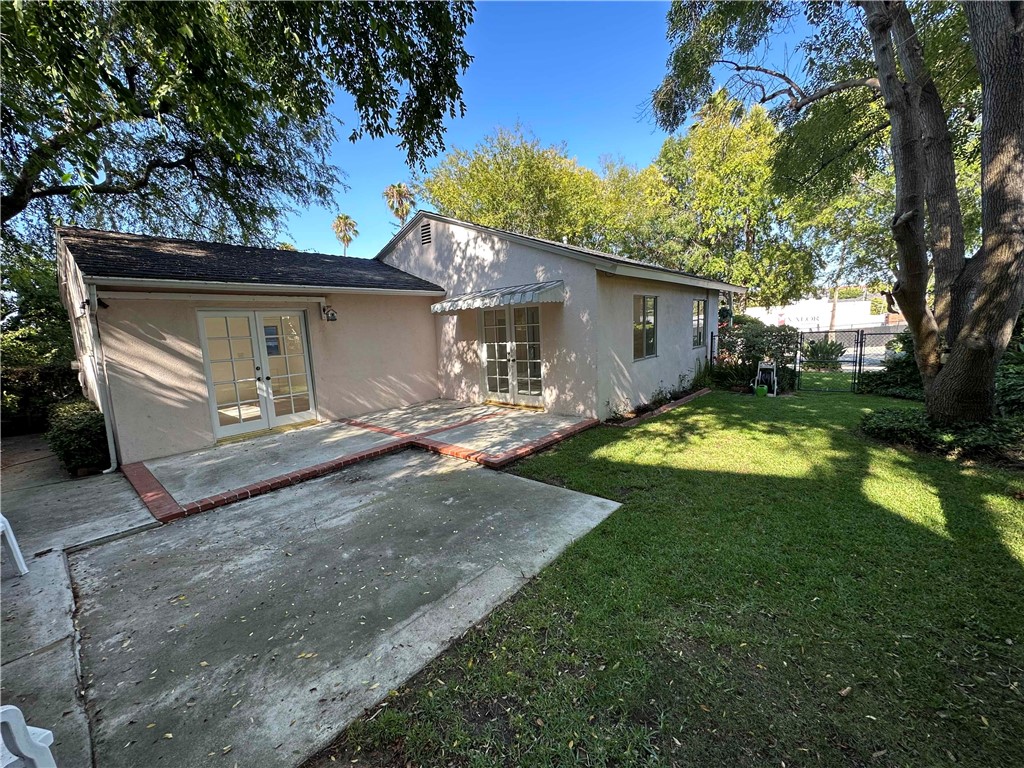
(851, 605)
(879, 570)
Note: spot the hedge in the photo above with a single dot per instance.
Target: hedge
(30, 391)
(77, 436)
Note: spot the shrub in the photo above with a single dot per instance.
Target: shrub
(745, 344)
(702, 376)
(879, 306)
(1001, 438)
(77, 435)
(1010, 379)
(899, 376)
(851, 292)
(822, 355)
(30, 391)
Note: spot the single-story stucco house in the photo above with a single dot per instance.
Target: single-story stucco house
(183, 343)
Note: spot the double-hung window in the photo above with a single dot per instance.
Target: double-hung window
(699, 321)
(645, 330)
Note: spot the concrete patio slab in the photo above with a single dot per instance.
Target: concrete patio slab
(27, 462)
(260, 631)
(429, 417)
(66, 513)
(37, 607)
(44, 687)
(202, 474)
(506, 431)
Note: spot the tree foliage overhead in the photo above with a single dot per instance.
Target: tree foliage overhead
(210, 117)
(731, 224)
(511, 181)
(901, 83)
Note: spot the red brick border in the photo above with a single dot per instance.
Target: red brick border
(158, 501)
(165, 509)
(291, 478)
(502, 459)
(658, 411)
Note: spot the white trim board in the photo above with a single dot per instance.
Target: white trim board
(248, 288)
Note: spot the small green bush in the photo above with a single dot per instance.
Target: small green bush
(1010, 380)
(899, 376)
(822, 355)
(77, 436)
(879, 306)
(1002, 438)
(747, 343)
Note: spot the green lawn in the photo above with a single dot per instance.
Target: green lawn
(826, 380)
(775, 590)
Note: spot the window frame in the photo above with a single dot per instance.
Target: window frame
(648, 320)
(700, 323)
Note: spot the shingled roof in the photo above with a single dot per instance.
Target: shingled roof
(102, 254)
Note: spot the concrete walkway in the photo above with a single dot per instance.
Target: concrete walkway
(261, 630)
(51, 513)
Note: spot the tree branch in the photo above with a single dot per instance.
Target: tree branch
(109, 188)
(845, 85)
(22, 192)
(798, 97)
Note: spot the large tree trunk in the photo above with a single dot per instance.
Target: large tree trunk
(960, 343)
(901, 101)
(964, 389)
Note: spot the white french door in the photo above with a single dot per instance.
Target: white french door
(512, 355)
(257, 369)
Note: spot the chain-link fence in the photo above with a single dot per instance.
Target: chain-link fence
(834, 361)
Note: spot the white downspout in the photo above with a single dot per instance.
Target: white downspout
(99, 368)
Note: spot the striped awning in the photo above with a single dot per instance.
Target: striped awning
(532, 293)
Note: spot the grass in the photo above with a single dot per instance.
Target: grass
(774, 590)
(841, 381)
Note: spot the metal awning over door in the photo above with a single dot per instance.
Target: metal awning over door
(551, 291)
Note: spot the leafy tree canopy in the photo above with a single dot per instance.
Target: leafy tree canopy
(207, 119)
(210, 118)
(731, 224)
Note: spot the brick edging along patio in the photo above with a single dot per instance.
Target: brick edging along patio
(166, 509)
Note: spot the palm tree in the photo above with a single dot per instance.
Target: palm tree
(345, 228)
(400, 201)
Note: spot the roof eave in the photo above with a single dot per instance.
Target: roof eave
(643, 273)
(266, 288)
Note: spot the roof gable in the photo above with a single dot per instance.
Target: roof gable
(101, 254)
(610, 263)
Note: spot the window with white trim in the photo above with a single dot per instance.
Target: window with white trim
(700, 308)
(645, 328)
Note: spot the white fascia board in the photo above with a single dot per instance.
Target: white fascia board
(243, 297)
(628, 270)
(252, 288)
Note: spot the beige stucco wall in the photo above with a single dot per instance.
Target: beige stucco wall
(623, 381)
(381, 353)
(463, 260)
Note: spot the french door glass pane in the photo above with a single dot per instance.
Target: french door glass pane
(238, 328)
(219, 349)
(216, 327)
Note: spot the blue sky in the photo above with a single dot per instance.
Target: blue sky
(572, 72)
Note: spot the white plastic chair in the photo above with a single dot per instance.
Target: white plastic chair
(7, 534)
(23, 746)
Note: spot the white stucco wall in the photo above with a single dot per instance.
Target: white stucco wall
(623, 381)
(462, 260)
(381, 353)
